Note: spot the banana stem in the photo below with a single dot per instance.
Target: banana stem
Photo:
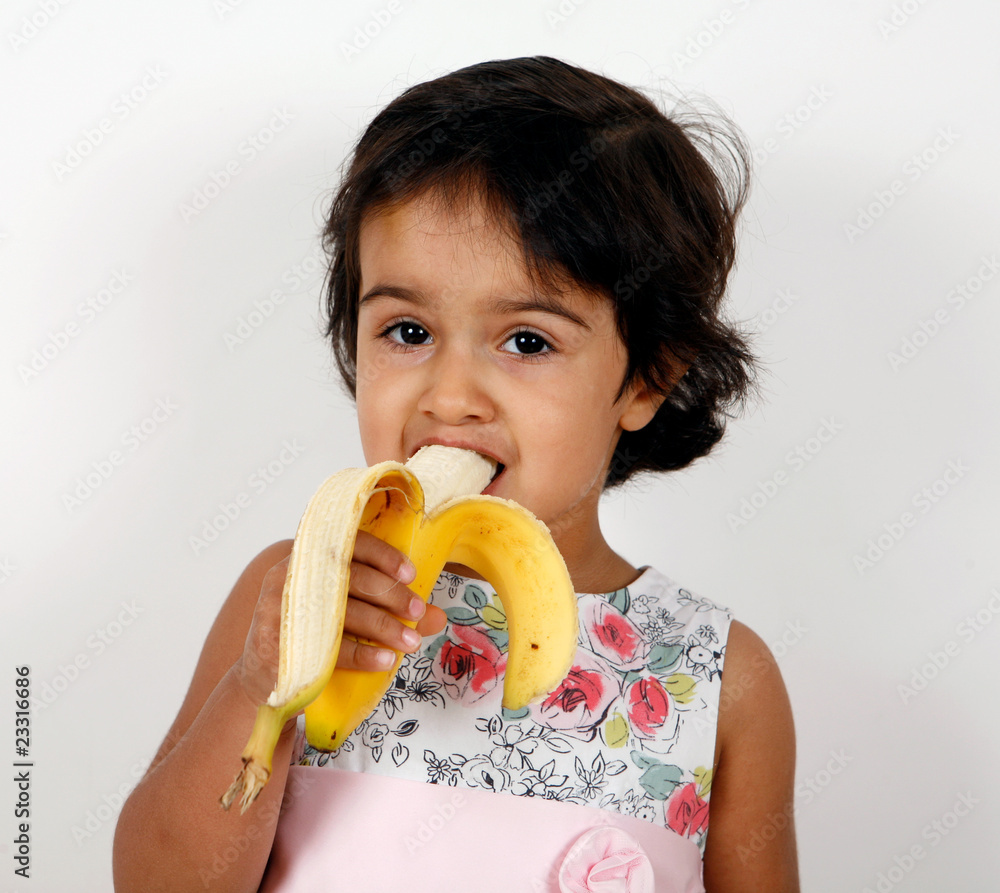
(257, 755)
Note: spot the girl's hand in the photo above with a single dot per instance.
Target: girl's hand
(258, 666)
(378, 597)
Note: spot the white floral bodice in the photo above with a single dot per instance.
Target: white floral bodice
(631, 728)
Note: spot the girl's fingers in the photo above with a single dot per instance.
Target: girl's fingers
(433, 621)
(366, 621)
(378, 554)
(378, 599)
(360, 656)
(259, 664)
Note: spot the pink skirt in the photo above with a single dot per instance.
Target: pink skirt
(351, 831)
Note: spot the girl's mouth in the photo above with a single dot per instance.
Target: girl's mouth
(496, 476)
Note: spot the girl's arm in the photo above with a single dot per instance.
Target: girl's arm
(172, 833)
(751, 835)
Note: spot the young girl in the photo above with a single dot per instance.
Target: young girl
(527, 259)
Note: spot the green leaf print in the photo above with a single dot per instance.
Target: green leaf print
(662, 658)
(435, 647)
(494, 615)
(643, 761)
(681, 687)
(704, 778)
(660, 780)
(462, 616)
(500, 639)
(474, 596)
(621, 599)
(616, 731)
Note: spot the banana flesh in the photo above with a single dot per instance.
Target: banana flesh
(430, 509)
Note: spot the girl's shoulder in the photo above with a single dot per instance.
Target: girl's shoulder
(754, 772)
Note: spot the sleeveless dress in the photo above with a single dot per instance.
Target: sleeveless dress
(603, 786)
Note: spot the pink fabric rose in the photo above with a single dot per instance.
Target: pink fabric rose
(606, 860)
(609, 633)
(687, 813)
(469, 667)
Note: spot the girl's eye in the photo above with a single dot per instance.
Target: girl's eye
(405, 332)
(528, 343)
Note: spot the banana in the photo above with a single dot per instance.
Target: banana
(430, 509)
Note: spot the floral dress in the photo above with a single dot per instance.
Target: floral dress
(631, 730)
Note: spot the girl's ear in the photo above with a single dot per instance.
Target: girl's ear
(642, 402)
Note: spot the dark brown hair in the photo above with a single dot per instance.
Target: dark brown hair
(597, 184)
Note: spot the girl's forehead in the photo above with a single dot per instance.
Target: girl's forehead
(443, 238)
(430, 215)
(448, 244)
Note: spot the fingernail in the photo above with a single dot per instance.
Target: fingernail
(417, 608)
(411, 638)
(407, 572)
(385, 658)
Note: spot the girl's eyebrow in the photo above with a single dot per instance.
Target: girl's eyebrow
(536, 301)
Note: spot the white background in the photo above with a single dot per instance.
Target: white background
(847, 635)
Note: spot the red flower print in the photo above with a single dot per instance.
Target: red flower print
(687, 813)
(609, 633)
(469, 667)
(648, 706)
(581, 702)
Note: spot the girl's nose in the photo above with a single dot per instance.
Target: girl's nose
(455, 391)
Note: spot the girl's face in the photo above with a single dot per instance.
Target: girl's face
(454, 347)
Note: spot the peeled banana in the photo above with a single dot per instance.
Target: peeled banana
(430, 509)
